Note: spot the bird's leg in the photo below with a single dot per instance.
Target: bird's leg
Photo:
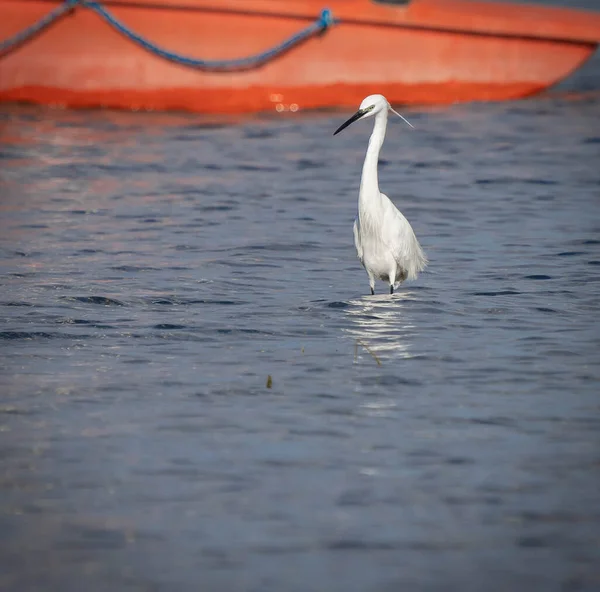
(371, 282)
(392, 278)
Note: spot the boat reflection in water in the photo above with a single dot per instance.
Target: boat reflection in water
(381, 326)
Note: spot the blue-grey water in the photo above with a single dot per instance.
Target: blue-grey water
(157, 269)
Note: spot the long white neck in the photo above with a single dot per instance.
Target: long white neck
(369, 184)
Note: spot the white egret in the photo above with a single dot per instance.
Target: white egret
(385, 241)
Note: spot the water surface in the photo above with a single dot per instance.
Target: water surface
(157, 269)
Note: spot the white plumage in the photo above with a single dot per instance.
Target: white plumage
(385, 241)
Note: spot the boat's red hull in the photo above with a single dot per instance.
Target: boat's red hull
(432, 52)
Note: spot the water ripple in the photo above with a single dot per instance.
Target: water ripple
(195, 378)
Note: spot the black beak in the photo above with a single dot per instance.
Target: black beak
(344, 125)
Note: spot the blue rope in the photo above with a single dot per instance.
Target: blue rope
(324, 21)
(37, 27)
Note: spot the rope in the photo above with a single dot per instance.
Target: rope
(26, 34)
(324, 21)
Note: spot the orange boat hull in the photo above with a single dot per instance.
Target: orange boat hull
(429, 52)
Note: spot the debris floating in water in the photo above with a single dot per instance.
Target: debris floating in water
(373, 354)
(269, 381)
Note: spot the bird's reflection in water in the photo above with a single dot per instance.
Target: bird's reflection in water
(381, 326)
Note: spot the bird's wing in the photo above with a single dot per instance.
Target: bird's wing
(400, 238)
(357, 243)
(396, 229)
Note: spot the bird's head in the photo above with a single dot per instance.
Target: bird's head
(371, 105)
